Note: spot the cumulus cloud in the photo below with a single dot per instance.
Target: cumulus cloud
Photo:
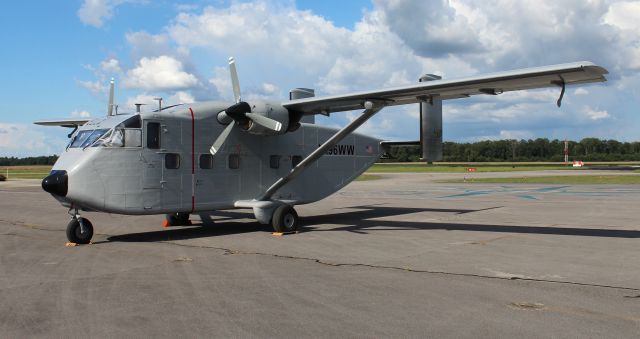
(107, 69)
(30, 140)
(148, 45)
(161, 73)
(581, 91)
(394, 44)
(596, 114)
(96, 12)
(150, 103)
(624, 15)
(80, 114)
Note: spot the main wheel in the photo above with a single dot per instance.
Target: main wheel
(178, 219)
(285, 219)
(78, 234)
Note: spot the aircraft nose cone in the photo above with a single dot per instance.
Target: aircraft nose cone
(56, 183)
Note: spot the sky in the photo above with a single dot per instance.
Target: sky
(58, 57)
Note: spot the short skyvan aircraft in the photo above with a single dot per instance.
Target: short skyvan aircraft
(264, 155)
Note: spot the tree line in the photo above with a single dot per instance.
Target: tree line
(588, 149)
(42, 160)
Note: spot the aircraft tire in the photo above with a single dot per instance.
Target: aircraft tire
(178, 219)
(285, 219)
(183, 219)
(74, 231)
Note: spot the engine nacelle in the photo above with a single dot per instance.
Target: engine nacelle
(270, 110)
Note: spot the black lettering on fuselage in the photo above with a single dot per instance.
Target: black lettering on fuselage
(341, 150)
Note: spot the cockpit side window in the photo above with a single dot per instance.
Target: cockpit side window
(153, 135)
(79, 138)
(133, 122)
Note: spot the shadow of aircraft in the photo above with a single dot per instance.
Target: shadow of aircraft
(360, 222)
(357, 219)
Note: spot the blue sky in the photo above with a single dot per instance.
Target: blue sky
(58, 56)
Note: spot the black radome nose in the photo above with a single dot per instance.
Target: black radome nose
(56, 183)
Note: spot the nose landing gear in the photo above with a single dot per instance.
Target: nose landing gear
(79, 229)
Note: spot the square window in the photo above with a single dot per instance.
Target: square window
(206, 161)
(172, 161)
(295, 160)
(234, 161)
(274, 161)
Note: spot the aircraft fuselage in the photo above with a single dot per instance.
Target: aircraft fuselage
(160, 163)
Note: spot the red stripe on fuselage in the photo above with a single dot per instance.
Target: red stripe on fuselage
(193, 161)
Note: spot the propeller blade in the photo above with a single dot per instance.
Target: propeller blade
(217, 145)
(264, 121)
(234, 79)
(111, 90)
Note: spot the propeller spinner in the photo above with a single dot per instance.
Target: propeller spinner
(241, 114)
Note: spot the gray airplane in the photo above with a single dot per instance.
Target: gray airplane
(265, 155)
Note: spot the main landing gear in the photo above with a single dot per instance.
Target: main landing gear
(79, 229)
(177, 219)
(280, 215)
(285, 219)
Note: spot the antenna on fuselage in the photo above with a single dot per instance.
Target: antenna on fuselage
(138, 109)
(159, 103)
(111, 90)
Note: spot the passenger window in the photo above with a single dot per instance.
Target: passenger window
(172, 161)
(234, 161)
(274, 161)
(295, 160)
(153, 135)
(206, 161)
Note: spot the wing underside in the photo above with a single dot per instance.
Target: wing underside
(63, 122)
(529, 78)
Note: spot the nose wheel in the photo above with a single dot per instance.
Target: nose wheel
(79, 230)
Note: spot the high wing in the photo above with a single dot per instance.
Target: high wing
(63, 122)
(496, 83)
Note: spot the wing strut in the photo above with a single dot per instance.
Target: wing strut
(371, 108)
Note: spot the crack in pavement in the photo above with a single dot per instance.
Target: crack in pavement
(406, 269)
(227, 251)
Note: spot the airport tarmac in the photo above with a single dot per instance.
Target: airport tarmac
(403, 256)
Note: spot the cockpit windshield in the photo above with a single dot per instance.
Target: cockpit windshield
(110, 137)
(87, 137)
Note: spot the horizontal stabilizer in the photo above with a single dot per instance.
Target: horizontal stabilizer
(386, 145)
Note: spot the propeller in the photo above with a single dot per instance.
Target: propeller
(240, 112)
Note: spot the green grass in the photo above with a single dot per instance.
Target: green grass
(560, 180)
(424, 168)
(368, 177)
(26, 172)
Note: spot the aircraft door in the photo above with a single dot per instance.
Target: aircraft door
(151, 165)
(176, 165)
